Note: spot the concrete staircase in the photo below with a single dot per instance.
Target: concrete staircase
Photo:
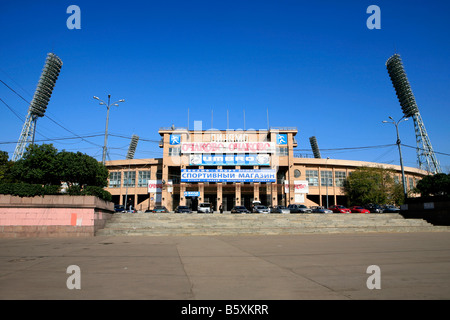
(154, 224)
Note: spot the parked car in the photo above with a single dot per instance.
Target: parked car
(119, 208)
(239, 209)
(260, 209)
(181, 209)
(320, 209)
(298, 208)
(391, 209)
(374, 208)
(339, 209)
(359, 209)
(204, 208)
(280, 209)
(160, 209)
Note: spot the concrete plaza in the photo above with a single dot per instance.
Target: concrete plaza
(413, 266)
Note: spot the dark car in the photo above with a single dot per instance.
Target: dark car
(239, 209)
(391, 209)
(160, 209)
(119, 208)
(339, 209)
(298, 208)
(280, 209)
(183, 209)
(374, 208)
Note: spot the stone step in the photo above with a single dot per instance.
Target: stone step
(244, 224)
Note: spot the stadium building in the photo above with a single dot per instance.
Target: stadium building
(234, 167)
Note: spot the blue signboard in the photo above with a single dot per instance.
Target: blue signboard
(228, 175)
(192, 193)
(282, 138)
(175, 139)
(229, 160)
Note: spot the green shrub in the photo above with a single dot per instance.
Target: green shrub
(32, 190)
(98, 192)
(28, 189)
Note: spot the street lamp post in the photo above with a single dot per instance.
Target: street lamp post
(400, 152)
(326, 166)
(108, 105)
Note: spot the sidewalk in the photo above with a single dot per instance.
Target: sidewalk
(294, 267)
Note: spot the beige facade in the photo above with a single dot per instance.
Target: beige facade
(213, 153)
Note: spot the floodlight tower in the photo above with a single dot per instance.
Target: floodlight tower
(425, 155)
(39, 103)
(132, 147)
(315, 147)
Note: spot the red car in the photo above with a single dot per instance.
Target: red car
(339, 209)
(358, 209)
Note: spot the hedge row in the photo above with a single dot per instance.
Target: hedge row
(32, 190)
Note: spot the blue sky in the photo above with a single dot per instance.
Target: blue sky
(312, 64)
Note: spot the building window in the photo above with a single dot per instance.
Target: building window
(129, 179)
(312, 176)
(411, 183)
(396, 179)
(114, 179)
(340, 177)
(326, 178)
(282, 151)
(144, 176)
(174, 151)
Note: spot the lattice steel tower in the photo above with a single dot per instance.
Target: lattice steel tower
(132, 147)
(39, 103)
(315, 147)
(426, 158)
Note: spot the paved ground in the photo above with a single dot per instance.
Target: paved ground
(294, 267)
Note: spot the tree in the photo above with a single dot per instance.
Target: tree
(5, 167)
(43, 164)
(37, 165)
(372, 185)
(434, 185)
(81, 169)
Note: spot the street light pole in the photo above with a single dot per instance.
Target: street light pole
(400, 152)
(108, 106)
(326, 166)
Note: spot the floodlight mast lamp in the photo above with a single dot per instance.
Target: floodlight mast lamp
(399, 151)
(38, 105)
(425, 155)
(108, 106)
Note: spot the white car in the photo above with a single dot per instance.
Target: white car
(204, 208)
(261, 209)
(320, 209)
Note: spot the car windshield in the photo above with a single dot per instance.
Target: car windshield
(159, 207)
(302, 206)
(182, 207)
(204, 205)
(282, 207)
(241, 207)
(261, 207)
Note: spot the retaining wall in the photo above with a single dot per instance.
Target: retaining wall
(52, 216)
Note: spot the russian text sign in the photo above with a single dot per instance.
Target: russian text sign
(227, 175)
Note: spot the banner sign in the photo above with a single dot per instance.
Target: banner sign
(301, 186)
(192, 193)
(229, 160)
(154, 186)
(228, 175)
(228, 147)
